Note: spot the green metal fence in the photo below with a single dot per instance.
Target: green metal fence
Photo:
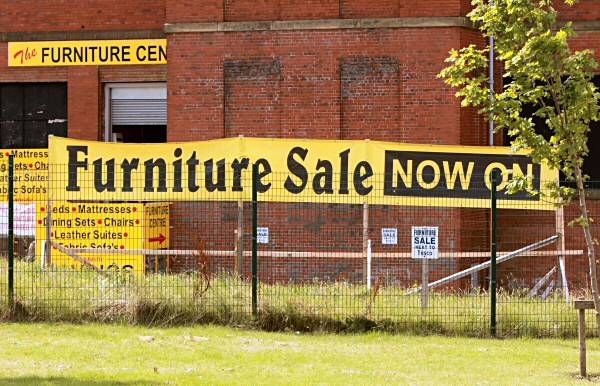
(277, 264)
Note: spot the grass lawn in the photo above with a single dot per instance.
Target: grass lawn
(68, 295)
(97, 354)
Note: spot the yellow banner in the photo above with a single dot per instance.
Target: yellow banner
(293, 170)
(30, 175)
(87, 52)
(138, 228)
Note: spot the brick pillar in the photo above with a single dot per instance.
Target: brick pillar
(84, 103)
(195, 84)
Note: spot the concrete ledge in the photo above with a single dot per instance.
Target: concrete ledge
(81, 35)
(293, 25)
(325, 24)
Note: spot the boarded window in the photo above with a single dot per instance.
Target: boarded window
(370, 98)
(30, 112)
(252, 97)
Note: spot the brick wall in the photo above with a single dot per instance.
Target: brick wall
(583, 10)
(378, 84)
(320, 230)
(323, 229)
(309, 9)
(245, 10)
(474, 129)
(370, 96)
(182, 11)
(60, 15)
(341, 84)
(252, 100)
(254, 10)
(83, 103)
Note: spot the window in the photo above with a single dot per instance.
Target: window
(136, 112)
(591, 165)
(29, 112)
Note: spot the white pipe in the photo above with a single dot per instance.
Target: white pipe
(313, 254)
(563, 275)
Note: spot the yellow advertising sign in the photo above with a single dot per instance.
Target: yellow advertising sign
(103, 226)
(156, 225)
(87, 52)
(293, 170)
(30, 176)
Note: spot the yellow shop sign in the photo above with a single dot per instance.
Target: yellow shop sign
(87, 52)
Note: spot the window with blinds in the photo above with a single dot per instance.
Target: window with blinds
(138, 106)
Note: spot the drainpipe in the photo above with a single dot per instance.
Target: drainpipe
(491, 81)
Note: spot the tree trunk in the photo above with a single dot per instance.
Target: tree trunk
(589, 242)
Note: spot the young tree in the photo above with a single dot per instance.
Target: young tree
(542, 72)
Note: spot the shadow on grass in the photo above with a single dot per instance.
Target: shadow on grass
(52, 380)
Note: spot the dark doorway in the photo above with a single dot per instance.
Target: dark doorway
(29, 112)
(591, 164)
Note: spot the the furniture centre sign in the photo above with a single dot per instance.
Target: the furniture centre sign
(87, 52)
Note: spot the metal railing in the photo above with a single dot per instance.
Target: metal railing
(290, 263)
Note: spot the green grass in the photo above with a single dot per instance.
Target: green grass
(165, 300)
(65, 354)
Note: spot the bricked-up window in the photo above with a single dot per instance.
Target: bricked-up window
(30, 112)
(370, 97)
(591, 165)
(252, 97)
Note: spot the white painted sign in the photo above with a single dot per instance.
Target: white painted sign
(389, 236)
(424, 242)
(262, 235)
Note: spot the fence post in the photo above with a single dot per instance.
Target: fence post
(254, 240)
(239, 241)
(424, 283)
(365, 240)
(493, 246)
(581, 306)
(11, 238)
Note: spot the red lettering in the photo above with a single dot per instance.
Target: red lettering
(27, 55)
(17, 54)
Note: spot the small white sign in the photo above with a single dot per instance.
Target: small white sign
(262, 235)
(424, 242)
(389, 236)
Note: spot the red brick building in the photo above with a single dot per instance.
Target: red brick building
(329, 69)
